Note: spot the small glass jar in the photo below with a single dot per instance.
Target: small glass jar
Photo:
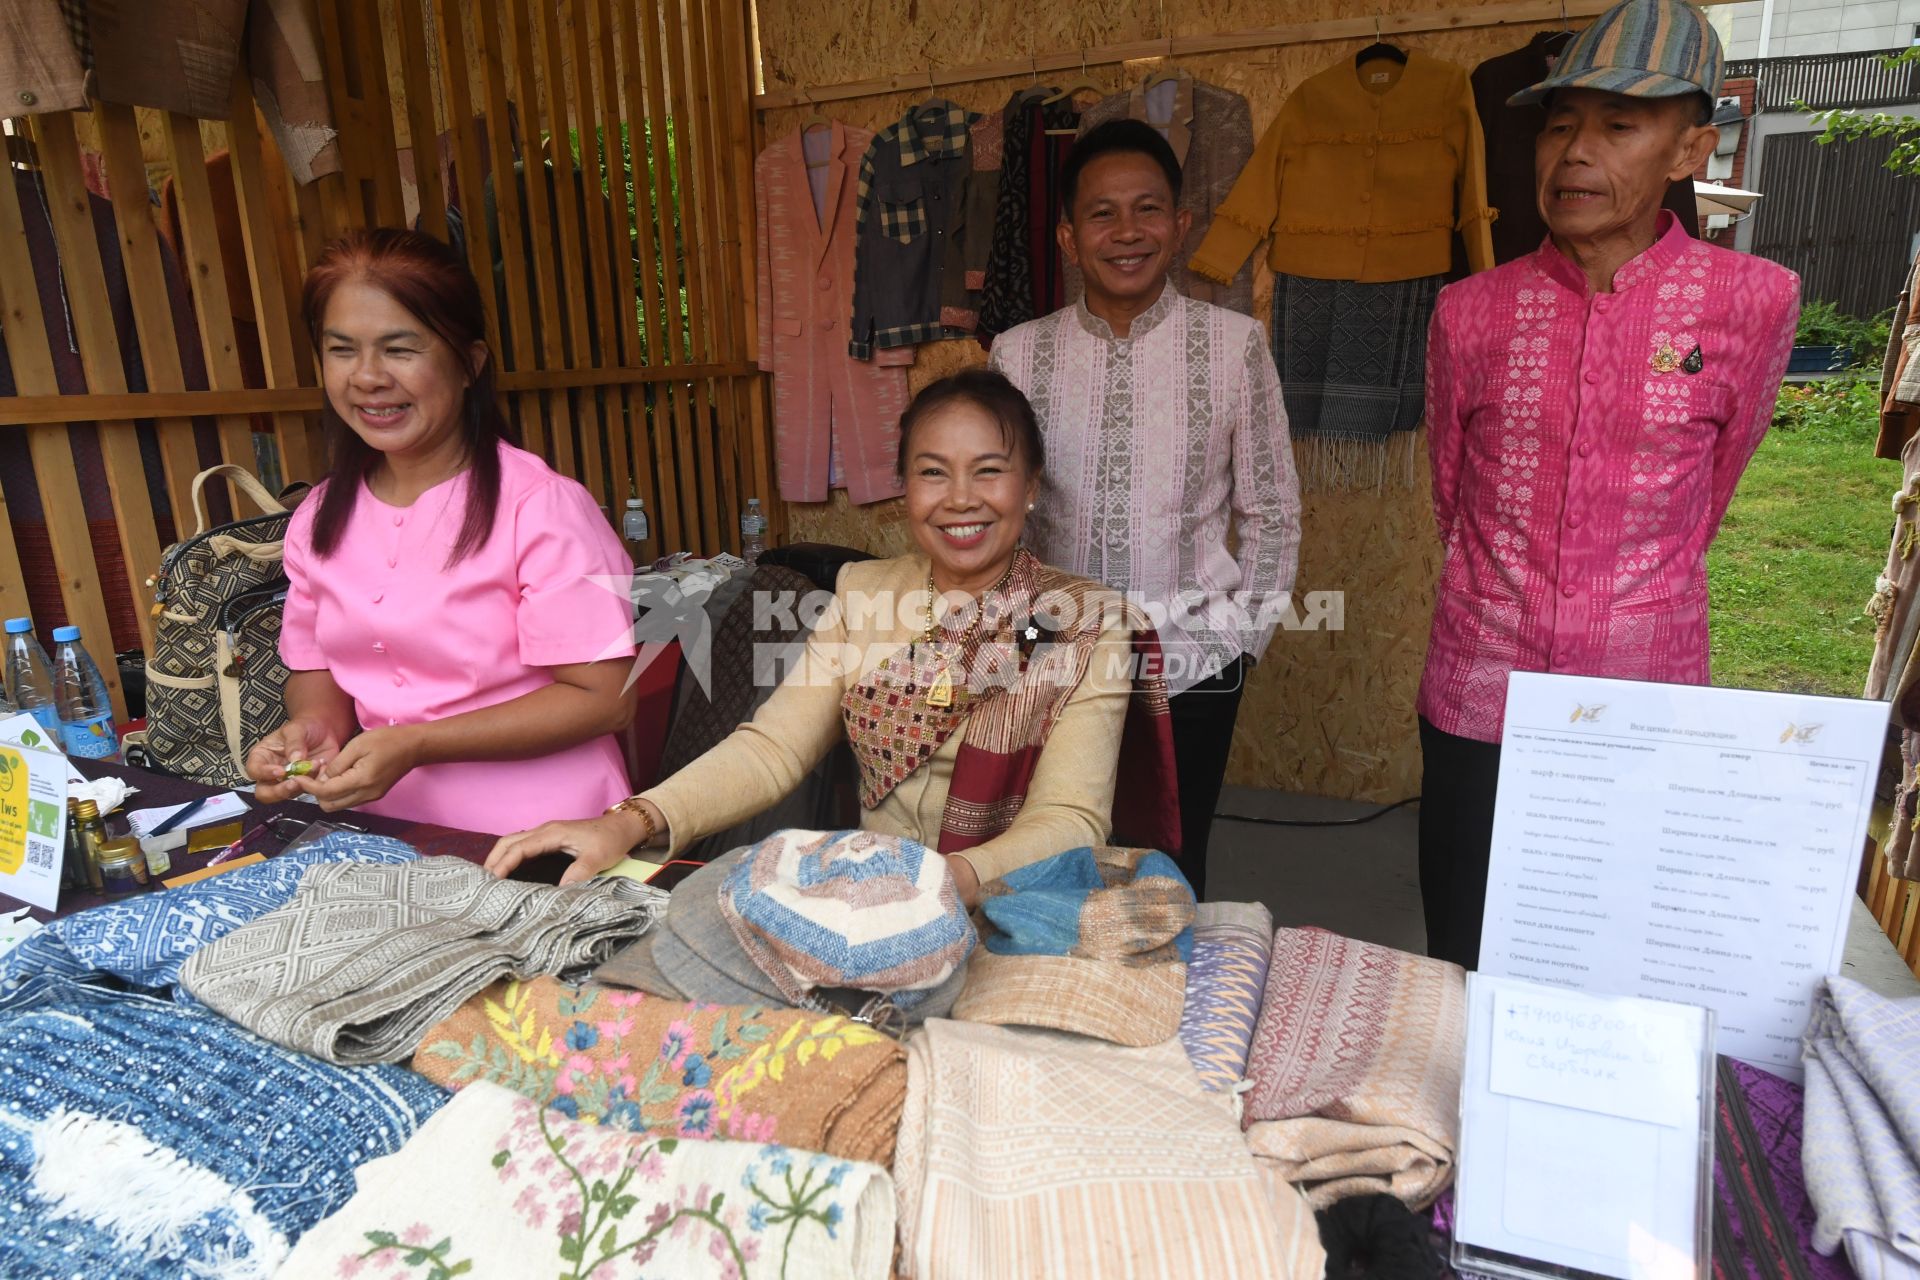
(123, 868)
(93, 834)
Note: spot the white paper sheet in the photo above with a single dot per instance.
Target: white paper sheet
(1557, 1170)
(1690, 844)
(221, 808)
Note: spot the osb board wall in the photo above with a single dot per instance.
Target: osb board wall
(1329, 713)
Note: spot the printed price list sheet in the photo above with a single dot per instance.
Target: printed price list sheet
(1690, 844)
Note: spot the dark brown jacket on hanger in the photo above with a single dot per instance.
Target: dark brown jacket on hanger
(1510, 133)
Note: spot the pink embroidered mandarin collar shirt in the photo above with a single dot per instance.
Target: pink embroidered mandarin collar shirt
(1585, 446)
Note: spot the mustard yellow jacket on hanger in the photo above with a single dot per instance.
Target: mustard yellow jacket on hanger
(1364, 175)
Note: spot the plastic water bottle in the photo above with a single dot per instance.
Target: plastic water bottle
(86, 711)
(753, 532)
(633, 527)
(30, 676)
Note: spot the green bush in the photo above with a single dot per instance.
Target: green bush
(1840, 410)
(1824, 325)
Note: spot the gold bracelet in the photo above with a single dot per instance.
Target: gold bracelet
(634, 804)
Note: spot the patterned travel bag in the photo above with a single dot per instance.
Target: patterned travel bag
(215, 681)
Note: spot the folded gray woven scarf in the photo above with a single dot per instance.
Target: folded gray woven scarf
(366, 958)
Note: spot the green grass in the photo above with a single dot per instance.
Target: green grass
(1795, 561)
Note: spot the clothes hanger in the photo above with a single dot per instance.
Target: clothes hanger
(1380, 49)
(814, 118)
(1166, 70)
(1084, 83)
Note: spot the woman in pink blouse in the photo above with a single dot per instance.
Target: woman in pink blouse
(457, 624)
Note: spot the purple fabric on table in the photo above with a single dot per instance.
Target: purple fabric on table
(1762, 1219)
(1232, 946)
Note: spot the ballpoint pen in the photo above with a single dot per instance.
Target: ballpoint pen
(178, 816)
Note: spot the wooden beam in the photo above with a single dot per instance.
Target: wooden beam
(417, 79)
(1507, 13)
(278, 352)
(621, 307)
(152, 306)
(516, 326)
(35, 409)
(573, 262)
(206, 271)
(51, 448)
(540, 229)
(678, 526)
(70, 207)
(467, 169)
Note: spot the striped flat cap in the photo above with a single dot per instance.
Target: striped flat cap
(1642, 48)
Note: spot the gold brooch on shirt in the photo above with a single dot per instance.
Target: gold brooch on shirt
(1666, 359)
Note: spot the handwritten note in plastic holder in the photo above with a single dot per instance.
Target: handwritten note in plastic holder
(1586, 1135)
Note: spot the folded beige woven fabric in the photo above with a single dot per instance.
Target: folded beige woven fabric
(366, 958)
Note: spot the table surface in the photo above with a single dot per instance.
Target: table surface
(158, 789)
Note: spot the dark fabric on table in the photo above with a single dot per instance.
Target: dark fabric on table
(159, 789)
(1762, 1219)
(1377, 1237)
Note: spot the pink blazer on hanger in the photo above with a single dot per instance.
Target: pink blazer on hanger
(824, 400)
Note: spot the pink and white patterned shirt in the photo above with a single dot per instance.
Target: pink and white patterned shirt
(1155, 443)
(1585, 446)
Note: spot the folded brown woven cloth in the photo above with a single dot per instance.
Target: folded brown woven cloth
(817, 1082)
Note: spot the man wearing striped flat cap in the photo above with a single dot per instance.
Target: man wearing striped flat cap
(1590, 408)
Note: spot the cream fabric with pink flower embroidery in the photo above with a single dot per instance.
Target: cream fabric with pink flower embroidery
(495, 1187)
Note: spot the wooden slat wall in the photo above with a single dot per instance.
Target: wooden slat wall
(623, 340)
(1896, 905)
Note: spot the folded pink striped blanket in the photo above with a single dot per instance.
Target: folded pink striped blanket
(1356, 1066)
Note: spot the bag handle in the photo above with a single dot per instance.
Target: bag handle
(241, 479)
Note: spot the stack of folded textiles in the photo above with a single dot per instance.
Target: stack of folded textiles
(366, 958)
(141, 1137)
(1356, 1067)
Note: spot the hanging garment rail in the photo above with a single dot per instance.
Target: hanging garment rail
(1509, 12)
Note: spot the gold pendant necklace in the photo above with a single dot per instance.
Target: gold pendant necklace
(940, 688)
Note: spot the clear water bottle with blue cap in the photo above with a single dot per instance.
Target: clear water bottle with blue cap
(30, 677)
(86, 709)
(753, 532)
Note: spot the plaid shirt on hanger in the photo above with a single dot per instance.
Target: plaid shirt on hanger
(912, 186)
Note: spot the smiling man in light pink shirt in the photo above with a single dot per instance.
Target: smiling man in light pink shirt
(1590, 407)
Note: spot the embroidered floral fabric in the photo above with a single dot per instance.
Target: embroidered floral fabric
(634, 1061)
(496, 1187)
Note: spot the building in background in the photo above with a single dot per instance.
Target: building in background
(1790, 28)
